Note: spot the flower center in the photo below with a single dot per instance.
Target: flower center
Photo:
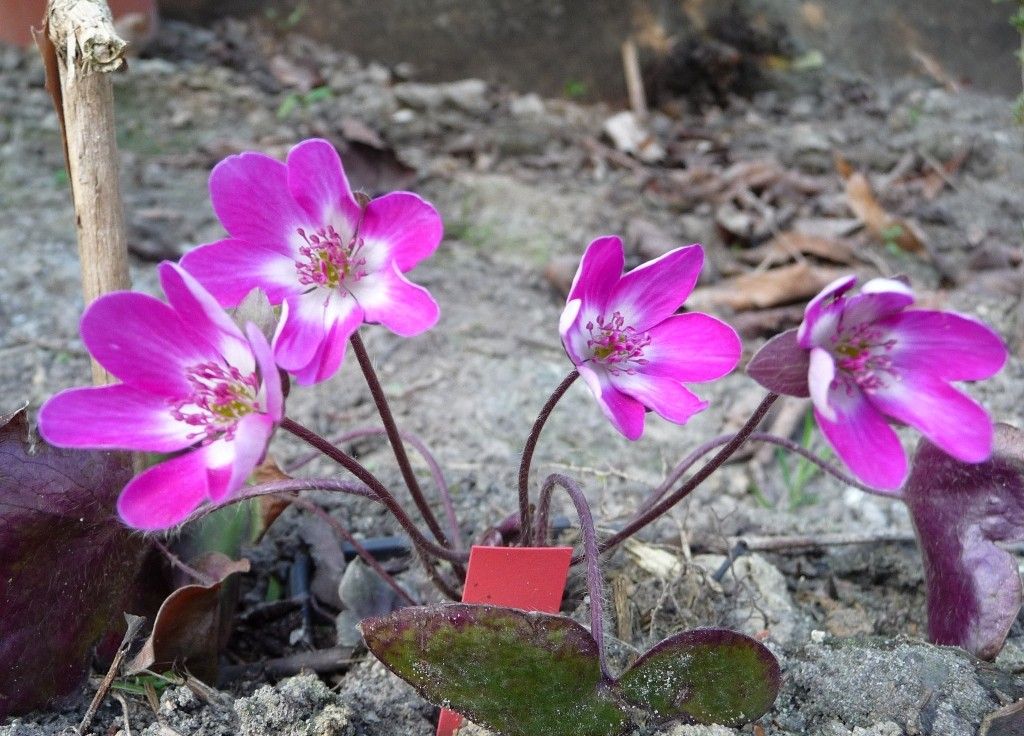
(330, 261)
(616, 345)
(860, 352)
(221, 395)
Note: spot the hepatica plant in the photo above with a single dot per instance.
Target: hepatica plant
(207, 395)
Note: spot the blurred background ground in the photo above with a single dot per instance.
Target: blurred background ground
(785, 153)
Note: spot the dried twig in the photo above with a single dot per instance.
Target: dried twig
(134, 624)
(321, 661)
(801, 542)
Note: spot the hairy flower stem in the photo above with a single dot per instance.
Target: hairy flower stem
(345, 534)
(595, 580)
(373, 483)
(783, 442)
(200, 577)
(528, 450)
(428, 457)
(645, 517)
(395, 438)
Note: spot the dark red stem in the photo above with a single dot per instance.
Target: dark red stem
(428, 457)
(528, 449)
(595, 580)
(374, 485)
(395, 438)
(648, 515)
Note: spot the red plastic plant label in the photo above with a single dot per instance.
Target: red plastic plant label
(530, 578)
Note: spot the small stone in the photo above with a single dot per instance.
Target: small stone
(628, 135)
(527, 107)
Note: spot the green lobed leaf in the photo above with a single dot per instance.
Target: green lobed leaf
(705, 676)
(521, 674)
(518, 673)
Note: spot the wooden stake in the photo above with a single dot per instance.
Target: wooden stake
(634, 79)
(88, 49)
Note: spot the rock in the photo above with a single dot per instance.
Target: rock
(467, 95)
(713, 730)
(628, 135)
(868, 684)
(811, 149)
(363, 593)
(181, 710)
(298, 706)
(384, 705)
(527, 107)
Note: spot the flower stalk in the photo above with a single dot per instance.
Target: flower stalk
(525, 510)
(395, 439)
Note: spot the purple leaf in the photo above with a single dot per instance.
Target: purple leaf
(65, 563)
(962, 512)
(781, 365)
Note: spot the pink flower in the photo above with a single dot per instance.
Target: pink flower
(865, 358)
(298, 233)
(190, 381)
(633, 351)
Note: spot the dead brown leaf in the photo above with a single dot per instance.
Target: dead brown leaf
(270, 506)
(765, 289)
(188, 630)
(767, 322)
(883, 226)
(795, 244)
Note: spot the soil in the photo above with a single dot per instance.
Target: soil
(523, 184)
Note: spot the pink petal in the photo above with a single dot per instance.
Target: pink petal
(166, 494)
(573, 339)
(317, 181)
(878, 298)
(388, 298)
(624, 412)
(407, 226)
(665, 396)
(821, 373)
(301, 329)
(231, 268)
(948, 346)
(598, 273)
(692, 347)
(863, 439)
(821, 317)
(113, 417)
(948, 418)
(230, 462)
(204, 316)
(652, 292)
(344, 317)
(271, 396)
(250, 195)
(143, 342)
